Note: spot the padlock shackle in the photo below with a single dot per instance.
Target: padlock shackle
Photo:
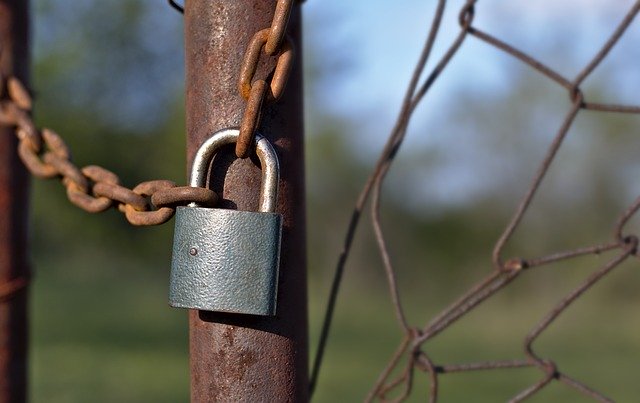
(266, 154)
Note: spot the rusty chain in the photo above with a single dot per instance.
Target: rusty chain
(92, 188)
(95, 189)
(274, 42)
(255, 91)
(396, 380)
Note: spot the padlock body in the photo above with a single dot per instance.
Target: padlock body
(225, 260)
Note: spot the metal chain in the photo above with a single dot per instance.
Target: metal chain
(274, 42)
(92, 188)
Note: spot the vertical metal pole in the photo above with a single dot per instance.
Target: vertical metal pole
(242, 357)
(14, 196)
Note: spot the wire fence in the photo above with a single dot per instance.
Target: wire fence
(397, 378)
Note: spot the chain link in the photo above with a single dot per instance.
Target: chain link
(92, 188)
(274, 42)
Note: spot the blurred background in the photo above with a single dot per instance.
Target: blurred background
(108, 76)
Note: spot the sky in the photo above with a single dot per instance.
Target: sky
(366, 52)
(378, 44)
(382, 41)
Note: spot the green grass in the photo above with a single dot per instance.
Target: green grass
(595, 341)
(604, 355)
(103, 333)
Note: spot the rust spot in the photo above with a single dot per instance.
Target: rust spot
(246, 359)
(228, 335)
(237, 363)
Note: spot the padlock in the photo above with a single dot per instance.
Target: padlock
(228, 260)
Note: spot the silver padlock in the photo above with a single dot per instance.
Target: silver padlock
(228, 260)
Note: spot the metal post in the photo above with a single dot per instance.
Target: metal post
(241, 357)
(14, 196)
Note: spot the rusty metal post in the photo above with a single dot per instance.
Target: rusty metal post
(14, 195)
(242, 357)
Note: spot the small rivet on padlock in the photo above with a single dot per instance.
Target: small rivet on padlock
(193, 251)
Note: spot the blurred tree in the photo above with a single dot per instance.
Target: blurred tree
(108, 78)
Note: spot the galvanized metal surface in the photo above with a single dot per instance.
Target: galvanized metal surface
(227, 260)
(244, 357)
(14, 206)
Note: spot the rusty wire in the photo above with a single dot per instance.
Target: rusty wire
(92, 188)
(176, 6)
(505, 271)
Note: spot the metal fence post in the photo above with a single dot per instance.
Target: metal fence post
(14, 196)
(241, 357)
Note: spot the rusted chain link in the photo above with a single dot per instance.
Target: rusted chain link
(274, 42)
(254, 90)
(92, 188)
(397, 378)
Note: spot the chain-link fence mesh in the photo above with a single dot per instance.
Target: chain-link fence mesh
(396, 379)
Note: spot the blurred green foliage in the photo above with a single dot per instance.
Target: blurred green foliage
(107, 79)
